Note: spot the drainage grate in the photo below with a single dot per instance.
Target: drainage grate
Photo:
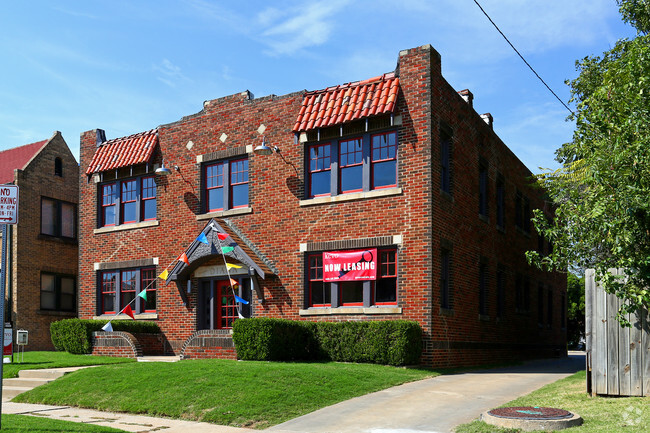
(530, 413)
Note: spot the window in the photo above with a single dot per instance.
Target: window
(549, 310)
(118, 288)
(482, 289)
(349, 165)
(445, 162)
(58, 167)
(445, 283)
(501, 202)
(482, 188)
(501, 290)
(522, 293)
(58, 292)
(128, 201)
(225, 185)
(540, 304)
(522, 212)
(58, 218)
(563, 308)
(380, 291)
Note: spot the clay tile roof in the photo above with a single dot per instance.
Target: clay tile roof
(124, 151)
(348, 102)
(17, 158)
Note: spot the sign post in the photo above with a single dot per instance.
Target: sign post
(8, 215)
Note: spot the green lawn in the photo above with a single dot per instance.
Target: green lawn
(36, 360)
(600, 414)
(246, 394)
(34, 424)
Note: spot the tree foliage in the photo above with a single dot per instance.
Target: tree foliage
(602, 190)
(576, 310)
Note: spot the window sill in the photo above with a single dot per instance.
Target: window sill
(483, 317)
(328, 311)
(60, 239)
(351, 196)
(142, 316)
(225, 213)
(132, 226)
(57, 313)
(483, 218)
(448, 312)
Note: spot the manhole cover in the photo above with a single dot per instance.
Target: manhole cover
(530, 413)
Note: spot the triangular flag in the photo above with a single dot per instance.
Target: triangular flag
(128, 311)
(240, 316)
(183, 258)
(108, 327)
(143, 294)
(222, 236)
(242, 300)
(234, 283)
(230, 266)
(203, 238)
(226, 250)
(163, 275)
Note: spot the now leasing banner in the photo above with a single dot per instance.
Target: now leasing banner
(350, 265)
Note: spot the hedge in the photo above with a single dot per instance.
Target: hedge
(394, 342)
(75, 335)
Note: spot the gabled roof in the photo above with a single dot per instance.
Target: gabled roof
(124, 151)
(17, 158)
(348, 102)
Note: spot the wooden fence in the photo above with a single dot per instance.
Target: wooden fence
(618, 359)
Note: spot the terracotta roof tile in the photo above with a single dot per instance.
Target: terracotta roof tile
(124, 151)
(17, 158)
(348, 102)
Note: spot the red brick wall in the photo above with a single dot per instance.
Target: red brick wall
(278, 224)
(34, 253)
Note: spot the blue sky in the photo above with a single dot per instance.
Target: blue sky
(129, 66)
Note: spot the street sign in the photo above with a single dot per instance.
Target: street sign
(8, 349)
(8, 204)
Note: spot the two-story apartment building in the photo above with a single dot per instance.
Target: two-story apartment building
(42, 246)
(389, 198)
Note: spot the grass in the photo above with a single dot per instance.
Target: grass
(36, 360)
(242, 394)
(33, 424)
(600, 414)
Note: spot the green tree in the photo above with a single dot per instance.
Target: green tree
(576, 309)
(602, 190)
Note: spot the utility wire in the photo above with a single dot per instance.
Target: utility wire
(522, 58)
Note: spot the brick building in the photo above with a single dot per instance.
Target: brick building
(389, 198)
(42, 247)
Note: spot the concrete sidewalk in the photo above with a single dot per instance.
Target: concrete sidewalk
(434, 405)
(431, 405)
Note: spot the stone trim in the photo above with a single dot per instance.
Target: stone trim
(117, 339)
(349, 310)
(130, 226)
(208, 338)
(351, 196)
(139, 263)
(225, 213)
(380, 241)
(223, 154)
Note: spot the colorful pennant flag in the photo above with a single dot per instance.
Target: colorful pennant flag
(231, 266)
(108, 327)
(240, 316)
(203, 238)
(143, 294)
(242, 300)
(222, 236)
(234, 283)
(128, 311)
(183, 258)
(163, 275)
(226, 250)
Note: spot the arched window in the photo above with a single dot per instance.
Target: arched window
(58, 167)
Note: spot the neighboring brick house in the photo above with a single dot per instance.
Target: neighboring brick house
(398, 175)
(42, 248)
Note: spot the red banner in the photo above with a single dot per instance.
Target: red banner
(350, 265)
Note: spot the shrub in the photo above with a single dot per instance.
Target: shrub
(395, 342)
(75, 335)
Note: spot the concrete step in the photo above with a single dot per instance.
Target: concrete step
(49, 373)
(158, 358)
(25, 381)
(9, 392)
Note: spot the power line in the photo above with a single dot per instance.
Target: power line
(522, 58)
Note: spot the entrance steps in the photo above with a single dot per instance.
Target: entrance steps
(30, 379)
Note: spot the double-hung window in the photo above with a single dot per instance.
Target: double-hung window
(225, 185)
(128, 201)
(58, 292)
(58, 218)
(378, 290)
(348, 165)
(121, 287)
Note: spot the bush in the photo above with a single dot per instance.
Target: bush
(395, 342)
(75, 335)
(267, 339)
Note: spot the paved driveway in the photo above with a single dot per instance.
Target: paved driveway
(434, 405)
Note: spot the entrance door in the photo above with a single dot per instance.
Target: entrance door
(217, 308)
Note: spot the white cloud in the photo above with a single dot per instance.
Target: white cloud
(305, 26)
(171, 74)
